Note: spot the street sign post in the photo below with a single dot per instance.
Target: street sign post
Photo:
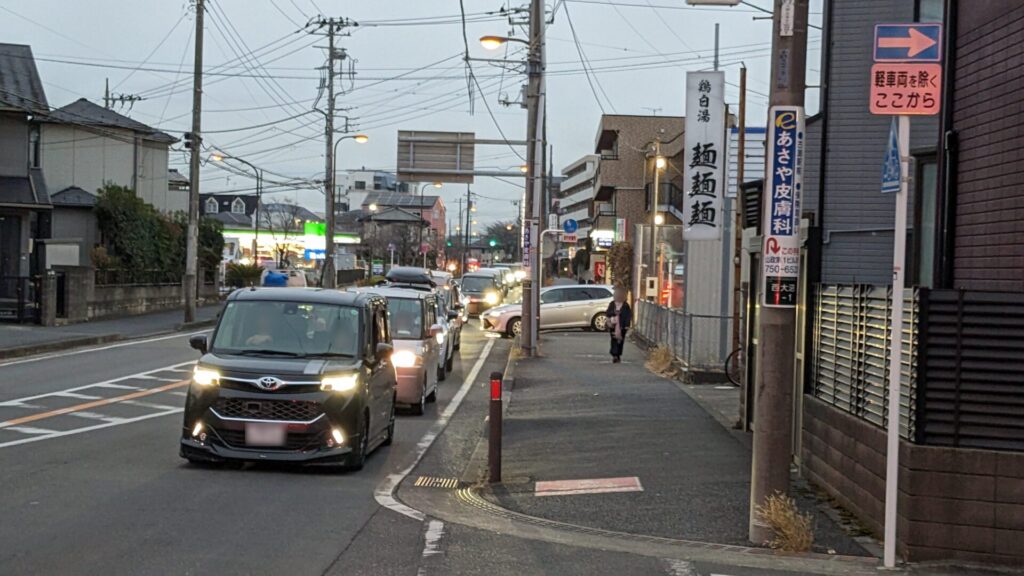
(780, 254)
(911, 85)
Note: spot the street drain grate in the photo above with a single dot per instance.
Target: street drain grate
(432, 482)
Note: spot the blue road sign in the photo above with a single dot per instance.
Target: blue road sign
(908, 43)
(892, 169)
(570, 226)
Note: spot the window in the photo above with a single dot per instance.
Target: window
(238, 206)
(925, 235)
(211, 206)
(437, 214)
(552, 296)
(929, 11)
(360, 185)
(33, 151)
(288, 329)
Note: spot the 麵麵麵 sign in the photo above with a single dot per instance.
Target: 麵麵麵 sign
(780, 255)
(705, 156)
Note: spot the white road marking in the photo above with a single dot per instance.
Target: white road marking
(90, 428)
(99, 348)
(587, 486)
(681, 568)
(30, 430)
(117, 386)
(66, 394)
(95, 416)
(105, 384)
(432, 542)
(17, 404)
(385, 492)
(147, 405)
(179, 393)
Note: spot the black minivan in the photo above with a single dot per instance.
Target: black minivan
(295, 375)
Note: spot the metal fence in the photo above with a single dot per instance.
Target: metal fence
(698, 342)
(852, 334)
(19, 298)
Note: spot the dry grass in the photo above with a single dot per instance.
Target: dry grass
(792, 529)
(659, 361)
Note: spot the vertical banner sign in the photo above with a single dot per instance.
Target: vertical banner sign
(528, 227)
(705, 155)
(780, 254)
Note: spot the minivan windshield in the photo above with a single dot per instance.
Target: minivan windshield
(288, 329)
(477, 284)
(406, 318)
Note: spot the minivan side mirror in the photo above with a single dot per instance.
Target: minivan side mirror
(199, 342)
(384, 350)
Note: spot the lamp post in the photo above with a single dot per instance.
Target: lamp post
(220, 157)
(656, 218)
(330, 277)
(422, 188)
(535, 94)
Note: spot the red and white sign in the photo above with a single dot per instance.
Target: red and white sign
(906, 89)
(569, 238)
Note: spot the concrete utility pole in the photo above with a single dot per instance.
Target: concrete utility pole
(534, 175)
(741, 151)
(192, 238)
(773, 391)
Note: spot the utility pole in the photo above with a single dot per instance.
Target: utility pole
(534, 175)
(331, 27)
(738, 227)
(465, 231)
(192, 239)
(774, 383)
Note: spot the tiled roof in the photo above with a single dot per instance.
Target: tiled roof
(20, 86)
(82, 111)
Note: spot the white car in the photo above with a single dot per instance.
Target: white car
(569, 306)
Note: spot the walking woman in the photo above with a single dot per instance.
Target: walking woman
(620, 317)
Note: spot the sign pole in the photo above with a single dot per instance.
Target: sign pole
(892, 453)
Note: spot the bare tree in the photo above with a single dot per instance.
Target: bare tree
(283, 220)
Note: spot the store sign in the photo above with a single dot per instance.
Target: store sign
(602, 238)
(705, 156)
(780, 229)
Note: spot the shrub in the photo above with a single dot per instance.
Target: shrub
(243, 275)
(620, 262)
(792, 529)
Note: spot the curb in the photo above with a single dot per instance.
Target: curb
(61, 345)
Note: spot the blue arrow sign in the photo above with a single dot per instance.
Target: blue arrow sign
(892, 169)
(570, 226)
(908, 43)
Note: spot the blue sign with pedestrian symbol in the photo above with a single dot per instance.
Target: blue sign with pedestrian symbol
(570, 226)
(892, 169)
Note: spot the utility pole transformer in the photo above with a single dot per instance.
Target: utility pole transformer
(534, 176)
(775, 382)
(192, 238)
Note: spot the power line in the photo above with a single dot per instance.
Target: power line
(152, 52)
(584, 63)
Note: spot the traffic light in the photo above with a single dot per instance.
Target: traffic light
(493, 242)
(449, 243)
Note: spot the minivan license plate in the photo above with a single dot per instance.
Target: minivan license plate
(260, 434)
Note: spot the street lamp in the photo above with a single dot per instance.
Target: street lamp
(221, 157)
(495, 42)
(329, 278)
(373, 207)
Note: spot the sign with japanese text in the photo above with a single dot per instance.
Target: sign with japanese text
(529, 227)
(780, 254)
(705, 156)
(906, 89)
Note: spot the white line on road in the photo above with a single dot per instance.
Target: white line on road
(30, 430)
(96, 416)
(680, 568)
(66, 394)
(431, 542)
(116, 386)
(147, 404)
(90, 428)
(385, 492)
(99, 348)
(106, 384)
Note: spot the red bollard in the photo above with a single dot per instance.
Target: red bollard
(494, 437)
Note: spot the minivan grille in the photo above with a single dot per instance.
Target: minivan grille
(294, 440)
(294, 410)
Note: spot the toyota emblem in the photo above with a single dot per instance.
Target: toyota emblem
(269, 383)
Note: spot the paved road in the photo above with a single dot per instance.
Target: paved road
(92, 480)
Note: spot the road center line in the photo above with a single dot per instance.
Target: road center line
(93, 404)
(385, 492)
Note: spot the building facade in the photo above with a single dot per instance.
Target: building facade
(577, 191)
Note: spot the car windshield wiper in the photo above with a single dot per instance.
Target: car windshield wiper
(261, 352)
(328, 355)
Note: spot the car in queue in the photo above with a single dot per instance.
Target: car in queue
(504, 278)
(561, 307)
(414, 330)
(483, 291)
(450, 292)
(415, 278)
(293, 375)
(518, 274)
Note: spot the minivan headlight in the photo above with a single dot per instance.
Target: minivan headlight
(491, 298)
(405, 359)
(205, 376)
(344, 383)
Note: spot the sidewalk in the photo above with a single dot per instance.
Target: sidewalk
(25, 339)
(574, 415)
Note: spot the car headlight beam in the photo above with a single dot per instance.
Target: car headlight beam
(405, 359)
(345, 383)
(491, 298)
(205, 376)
